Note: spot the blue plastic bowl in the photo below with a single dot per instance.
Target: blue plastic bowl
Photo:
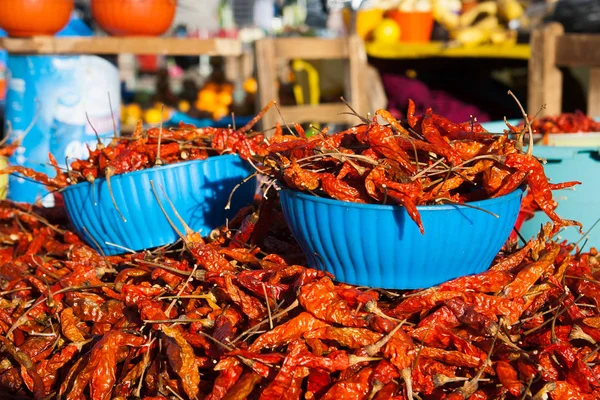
(380, 246)
(199, 191)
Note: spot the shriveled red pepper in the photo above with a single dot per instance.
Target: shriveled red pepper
(509, 378)
(320, 299)
(530, 274)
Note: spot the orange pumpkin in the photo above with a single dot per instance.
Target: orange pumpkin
(134, 17)
(34, 17)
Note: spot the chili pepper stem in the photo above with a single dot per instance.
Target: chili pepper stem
(146, 361)
(543, 393)
(353, 112)
(424, 171)
(472, 385)
(90, 178)
(174, 393)
(268, 305)
(120, 247)
(371, 306)
(206, 323)
(353, 359)
(108, 173)
(236, 187)
(591, 354)
(449, 201)
(374, 348)
(393, 122)
(95, 242)
(527, 125)
(43, 221)
(558, 314)
(377, 386)
(416, 360)
(188, 280)
(199, 275)
(527, 391)
(112, 116)
(100, 145)
(255, 328)
(181, 235)
(406, 375)
(188, 231)
(440, 380)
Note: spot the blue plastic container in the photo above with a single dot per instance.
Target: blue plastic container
(582, 204)
(50, 96)
(199, 191)
(499, 126)
(380, 246)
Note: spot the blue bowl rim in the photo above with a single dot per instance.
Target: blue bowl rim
(382, 207)
(221, 157)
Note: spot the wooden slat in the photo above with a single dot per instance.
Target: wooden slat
(594, 93)
(331, 113)
(116, 45)
(311, 48)
(377, 96)
(545, 79)
(357, 86)
(578, 51)
(269, 51)
(266, 72)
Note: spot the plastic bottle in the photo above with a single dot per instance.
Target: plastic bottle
(67, 132)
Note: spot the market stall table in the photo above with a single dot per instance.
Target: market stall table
(402, 51)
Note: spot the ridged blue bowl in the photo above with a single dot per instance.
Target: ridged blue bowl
(199, 191)
(380, 246)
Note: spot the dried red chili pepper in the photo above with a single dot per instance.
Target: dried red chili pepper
(285, 333)
(508, 377)
(321, 300)
(353, 338)
(356, 386)
(287, 382)
(530, 274)
(538, 184)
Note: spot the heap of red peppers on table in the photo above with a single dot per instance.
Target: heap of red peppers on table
(235, 315)
(576, 122)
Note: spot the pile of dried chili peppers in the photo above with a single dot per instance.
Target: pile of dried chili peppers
(423, 160)
(223, 318)
(565, 123)
(236, 315)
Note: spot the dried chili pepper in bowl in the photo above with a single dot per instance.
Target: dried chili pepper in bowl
(129, 195)
(348, 197)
